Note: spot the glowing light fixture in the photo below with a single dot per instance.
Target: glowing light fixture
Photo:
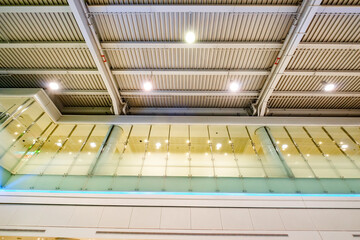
(344, 146)
(16, 133)
(148, 86)
(284, 146)
(58, 144)
(218, 146)
(234, 87)
(190, 37)
(92, 144)
(54, 86)
(329, 87)
(187, 141)
(158, 145)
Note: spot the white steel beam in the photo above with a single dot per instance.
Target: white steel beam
(170, 45)
(92, 41)
(212, 120)
(154, 72)
(307, 12)
(189, 111)
(211, 93)
(96, 9)
(313, 112)
(87, 110)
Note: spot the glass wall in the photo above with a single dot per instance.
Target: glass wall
(44, 155)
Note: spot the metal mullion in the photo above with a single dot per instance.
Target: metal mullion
(19, 166)
(123, 152)
(256, 152)
(96, 160)
(167, 157)
(233, 151)
(13, 113)
(30, 147)
(341, 150)
(143, 158)
(351, 137)
(59, 150)
(21, 135)
(188, 155)
(6, 111)
(79, 152)
(212, 159)
(322, 153)
(299, 151)
(15, 117)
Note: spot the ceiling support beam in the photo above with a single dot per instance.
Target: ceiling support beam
(97, 9)
(307, 12)
(78, 8)
(314, 112)
(189, 111)
(191, 72)
(171, 45)
(211, 93)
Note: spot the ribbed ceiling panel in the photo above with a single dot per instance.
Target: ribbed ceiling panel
(316, 83)
(315, 102)
(46, 58)
(190, 82)
(334, 28)
(97, 2)
(39, 27)
(33, 2)
(192, 58)
(325, 59)
(340, 2)
(85, 101)
(70, 82)
(207, 26)
(189, 101)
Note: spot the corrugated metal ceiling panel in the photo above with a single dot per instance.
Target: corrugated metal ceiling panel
(192, 58)
(85, 100)
(315, 102)
(207, 26)
(70, 82)
(325, 59)
(46, 58)
(33, 2)
(98, 2)
(189, 101)
(315, 83)
(190, 82)
(340, 2)
(334, 28)
(39, 27)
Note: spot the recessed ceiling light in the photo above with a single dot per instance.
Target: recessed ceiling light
(277, 142)
(308, 155)
(80, 140)
(54, 86)
(218, 146)
(206, 154)
(148, 86)
(58, 144)
(284, 146)
(18, 125)
(16, 133)
(187, 141)
(234, 87)
(225, 154)
(158, 145)
(329, 87)
(92, 144)
(166, 141)
(344, 146)
(190, 37)
(230, 141)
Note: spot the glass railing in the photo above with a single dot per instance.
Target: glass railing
(38, 154)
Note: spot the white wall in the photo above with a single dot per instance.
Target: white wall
(82, 215)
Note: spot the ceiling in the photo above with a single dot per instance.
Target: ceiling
(281, 52)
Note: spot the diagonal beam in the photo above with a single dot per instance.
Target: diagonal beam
(306, 14)
(79, 10)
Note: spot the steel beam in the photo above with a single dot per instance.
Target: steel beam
(189, 111)
(307, 12)
(95, 9)
(171, 45)
(87, 110)
(259, 72)
(313, 112)
(140, 93)
(79, 11)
